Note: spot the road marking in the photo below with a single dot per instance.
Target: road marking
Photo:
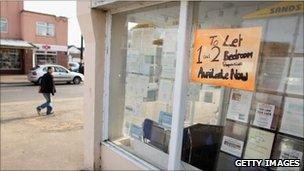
(39, 101)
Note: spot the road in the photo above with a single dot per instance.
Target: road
(12, 92)
(32, 142)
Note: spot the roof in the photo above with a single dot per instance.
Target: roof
(16, 43)
(51, 15)
(73, 49)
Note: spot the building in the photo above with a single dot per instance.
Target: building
(145, 109)
(74, 54)
(30, 38)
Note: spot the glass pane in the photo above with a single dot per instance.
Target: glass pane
(143, 51)
(224, 124)
(10, 59)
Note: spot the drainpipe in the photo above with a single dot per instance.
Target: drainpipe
(81, 49)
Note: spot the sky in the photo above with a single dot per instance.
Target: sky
(59, 8)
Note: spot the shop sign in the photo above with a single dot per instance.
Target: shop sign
(280, 9)
(226, 57)
(46, 47)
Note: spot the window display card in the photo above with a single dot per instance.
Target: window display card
(290, 154)
(292, 120)
(288, 148)
(259, 144)
(295, 81)
(165, 90)
(239, 105)
(232, 146)
(264, 115)
(273, 74)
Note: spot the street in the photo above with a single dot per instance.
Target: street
(32, 142)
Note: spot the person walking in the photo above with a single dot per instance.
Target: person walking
(47, 88)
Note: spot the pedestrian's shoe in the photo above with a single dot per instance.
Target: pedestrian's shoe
(52, 112)
(38, 110)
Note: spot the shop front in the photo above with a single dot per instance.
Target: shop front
(15, 56)
(50, 54)
(193, 85)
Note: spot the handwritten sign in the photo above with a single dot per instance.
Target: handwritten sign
(226, 57)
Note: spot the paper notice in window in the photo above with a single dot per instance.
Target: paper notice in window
(239, 105)
(295, 81)
(288, 153)
(259, 144)
(292, 120)
(232, 146)
(264, 115)
(226, 57)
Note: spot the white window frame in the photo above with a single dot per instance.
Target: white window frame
(50, 28)
(6, 22)
(180, 85)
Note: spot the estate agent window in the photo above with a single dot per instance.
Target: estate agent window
(10, 59)
(263, 120)
(45, 57)
(3, 25)
(45, 29)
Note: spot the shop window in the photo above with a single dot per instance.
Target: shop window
(238, 124)
(45, 29)
(3, 25)
(43, 57)
(10, 59)
(221, 124)
(143, 52)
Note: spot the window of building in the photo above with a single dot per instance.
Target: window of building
(45, 29)
(220, 124)
(3, 25)
(43, 57)
(142, 78)
(10, 59)
(238, 124)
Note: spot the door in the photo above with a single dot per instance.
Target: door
(62, 74)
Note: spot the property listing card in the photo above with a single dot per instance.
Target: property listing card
(259, 144)
(234, 137)
(232, 146)
(264, 115)
(239, 105)
(288, 148)
(292, 120)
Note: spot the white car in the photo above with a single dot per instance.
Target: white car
(61, 74)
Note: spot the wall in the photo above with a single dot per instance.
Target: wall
(11, 10)
(29, 32)
(96, 156)
(62, 59)
(27, 60)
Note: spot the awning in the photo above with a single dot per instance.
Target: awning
(15, 43)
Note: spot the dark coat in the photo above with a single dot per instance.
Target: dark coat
(47, 84)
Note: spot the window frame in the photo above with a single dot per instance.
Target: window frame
(181, 81)
(6, 22)
(46, 26)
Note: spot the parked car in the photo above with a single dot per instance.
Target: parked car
(74, 66)
(61, 74)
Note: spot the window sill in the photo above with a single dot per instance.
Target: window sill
(127, 155)
(45, 36)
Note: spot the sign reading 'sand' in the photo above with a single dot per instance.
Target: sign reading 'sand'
(226, 57)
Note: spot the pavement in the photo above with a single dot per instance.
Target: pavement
(14, 79)
(33, 142)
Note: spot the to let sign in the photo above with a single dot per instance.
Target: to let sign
(226, 57)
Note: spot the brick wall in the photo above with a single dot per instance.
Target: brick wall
(62, 59)
(28, 60)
